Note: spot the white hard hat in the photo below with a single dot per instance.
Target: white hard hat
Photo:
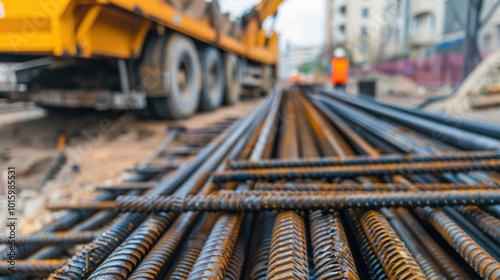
(339, 52)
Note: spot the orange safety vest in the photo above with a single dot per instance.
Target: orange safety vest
(340, 69)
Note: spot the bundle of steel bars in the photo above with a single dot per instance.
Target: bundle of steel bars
(312, 184)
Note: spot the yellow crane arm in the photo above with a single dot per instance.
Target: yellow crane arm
(266, 8)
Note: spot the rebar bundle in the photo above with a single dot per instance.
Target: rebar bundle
(311, 184)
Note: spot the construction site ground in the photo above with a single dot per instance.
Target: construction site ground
(101, 145)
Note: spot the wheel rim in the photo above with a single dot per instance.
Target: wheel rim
(184, 76)
(213, 80)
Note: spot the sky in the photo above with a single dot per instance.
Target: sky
(299, 23)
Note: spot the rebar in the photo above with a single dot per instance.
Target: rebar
(391, 251)
(369, 256)
(81, 237)
(313, 187)
(193, 247)
(486, 222)
(331, 253)
(214, 257)
(427, 265)
(445, 262)
(31, 267)
(324, 186)
(288, 252)
(234, 202)
(358, 160)
(356, 171)
(481, 261)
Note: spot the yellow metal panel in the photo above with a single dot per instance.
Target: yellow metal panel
(163, 13)
(114, 28)
(28, 24)
(114, 33)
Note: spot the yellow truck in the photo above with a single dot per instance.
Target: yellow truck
(161, 58)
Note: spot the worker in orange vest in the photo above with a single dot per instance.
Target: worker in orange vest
(339, 71)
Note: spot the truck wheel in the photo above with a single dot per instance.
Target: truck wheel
(212, 91)
(182, 80)
(269, 80)
(232, 73)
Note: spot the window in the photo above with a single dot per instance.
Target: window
(365, 12)
(364, 31)
(343, 10)
(342, 28)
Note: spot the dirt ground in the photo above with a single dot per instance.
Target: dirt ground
(100, 146)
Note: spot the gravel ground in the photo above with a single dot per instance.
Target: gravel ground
(101, 144)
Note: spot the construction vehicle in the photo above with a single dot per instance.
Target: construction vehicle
(161, 58)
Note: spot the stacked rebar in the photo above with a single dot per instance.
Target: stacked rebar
(309, 185)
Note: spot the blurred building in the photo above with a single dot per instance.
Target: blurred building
(454, 22)
(396, 31)
(293, 57)
(426, 28)
(357, 26)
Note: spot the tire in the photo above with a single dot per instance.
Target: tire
(232, 74)
(212, 91)
(183, 80)
(269, 80)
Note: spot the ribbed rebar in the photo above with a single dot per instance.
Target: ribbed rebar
(288, 252)
(356, 171)
(486, 222)
(261, 242)
(237, 260)
(214, 257)
(427, 265)
(495, 210)
(152, 264)
(357, 160)
(47, 238)
(81, 264)
(331, 253)
(444, 261)
(38, 268)
(485, 265)
(391, 251)
(234, 201)
(374, 266)
(193, 247)
(367, 187)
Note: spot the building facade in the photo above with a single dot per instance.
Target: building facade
(357, 26)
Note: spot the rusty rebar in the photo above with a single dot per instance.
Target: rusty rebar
(356, 171)
(485, 265)
(368, 160)
(196, 240)
(428, 266)
(374, 267)
(214, 257)
(152, 264)
(234, 201)
(391, 251)
(444, 261)
(288, 252)
(311, 187)
(483, 220)
(261, 242)
(331, 252)
(47, 238)
(39, 268)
